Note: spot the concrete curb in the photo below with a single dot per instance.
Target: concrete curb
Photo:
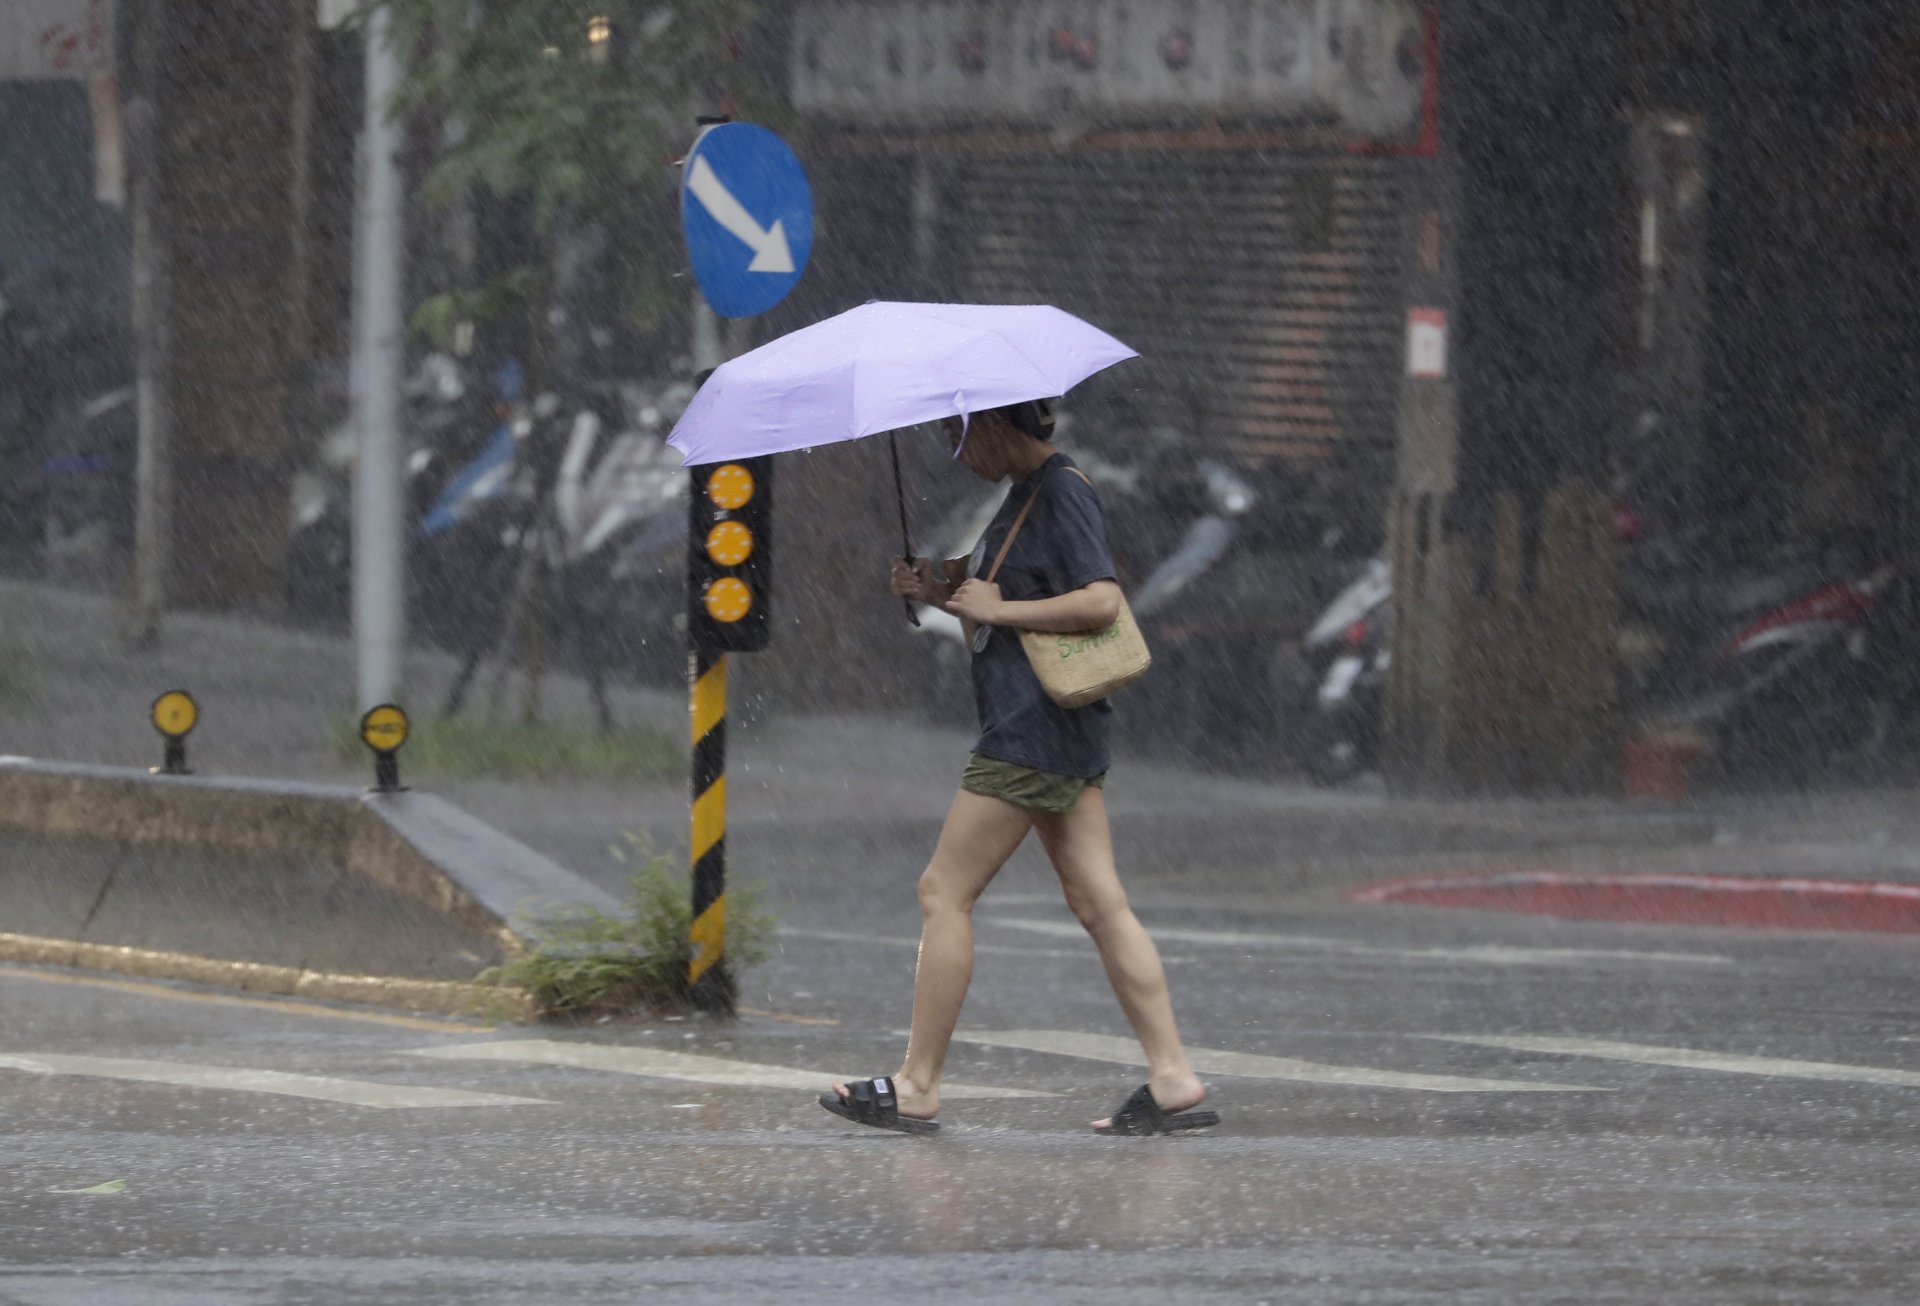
(435, 996)
(492, 890)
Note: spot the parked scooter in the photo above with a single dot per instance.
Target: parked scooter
(448, 422)
(1790, 671)
(67, 431)
(1782, 666)
(620, 498)
(585, 492)
(474, 455)
(87, 501)
(1218, 593)
(1346, 654)
(1337, 676)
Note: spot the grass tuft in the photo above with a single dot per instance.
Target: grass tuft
(18, 674)
(588, 963)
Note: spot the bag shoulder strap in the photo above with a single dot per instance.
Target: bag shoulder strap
(1012, 531)
(1020, 521)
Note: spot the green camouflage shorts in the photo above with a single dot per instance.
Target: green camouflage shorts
(1043, 791)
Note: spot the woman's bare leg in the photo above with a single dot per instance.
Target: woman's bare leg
(1080, 845)
(979, 835)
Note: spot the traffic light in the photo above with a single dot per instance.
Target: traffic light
(730, 557)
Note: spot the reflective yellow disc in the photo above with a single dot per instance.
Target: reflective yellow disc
(729, 543)
(175, 713)
(730, 486)
(728, 599)
(384, 729)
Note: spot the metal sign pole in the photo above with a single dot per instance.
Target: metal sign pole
(709, 981)
(747, 217)
(153, 338)
(379, 577)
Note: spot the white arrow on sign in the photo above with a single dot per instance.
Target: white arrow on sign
(769, 245)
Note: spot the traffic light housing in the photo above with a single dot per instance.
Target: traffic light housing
(730, 555)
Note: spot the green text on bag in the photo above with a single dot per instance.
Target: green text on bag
(1072, 644)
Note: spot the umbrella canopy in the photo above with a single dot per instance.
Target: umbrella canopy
(884, 366)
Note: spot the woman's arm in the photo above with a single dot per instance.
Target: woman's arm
(1092, 608)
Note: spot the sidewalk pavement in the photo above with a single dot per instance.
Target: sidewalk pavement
(837, 787)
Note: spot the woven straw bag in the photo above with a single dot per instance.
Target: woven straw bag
(1085, 666)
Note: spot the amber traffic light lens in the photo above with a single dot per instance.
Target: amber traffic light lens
(728, 600)
(730, 486)
(729, 544)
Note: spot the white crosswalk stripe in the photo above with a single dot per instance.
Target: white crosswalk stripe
(1207, 1061)
(686, 1067)
(1690, 1058)
(237, 1079)
(1487, 954)
(902, 941)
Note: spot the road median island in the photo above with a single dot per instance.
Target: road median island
(395, 899)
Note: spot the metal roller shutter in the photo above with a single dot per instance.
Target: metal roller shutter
(1263, 290)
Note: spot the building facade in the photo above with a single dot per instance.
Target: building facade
(1219, 183)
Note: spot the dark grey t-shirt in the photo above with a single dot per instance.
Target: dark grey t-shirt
(1062, 547)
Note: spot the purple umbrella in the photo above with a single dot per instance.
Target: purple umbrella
(884, 366)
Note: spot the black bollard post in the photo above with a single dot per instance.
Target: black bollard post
(384, 731)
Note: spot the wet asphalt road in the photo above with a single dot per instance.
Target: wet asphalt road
(1573, 1176)
(1354, 1164)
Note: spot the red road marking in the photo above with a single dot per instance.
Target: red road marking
(1670, 899)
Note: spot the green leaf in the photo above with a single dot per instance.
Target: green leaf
(438, 318)
(585, 141)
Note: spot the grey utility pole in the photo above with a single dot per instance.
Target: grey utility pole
(379, 574)
(153, 458)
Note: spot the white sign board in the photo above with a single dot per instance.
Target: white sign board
(1427, 343)
(879, 64)
(42, 39)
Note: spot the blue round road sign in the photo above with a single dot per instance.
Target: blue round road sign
(747, 212)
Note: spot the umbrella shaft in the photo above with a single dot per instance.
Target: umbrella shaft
(906, 532)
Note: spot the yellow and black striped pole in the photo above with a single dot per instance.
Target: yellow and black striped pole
(729, 572)
(708, 979)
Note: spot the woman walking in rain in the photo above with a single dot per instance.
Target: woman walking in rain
(1036, 767)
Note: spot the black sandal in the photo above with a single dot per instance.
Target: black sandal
(1140, 1114)
(873, 1102)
